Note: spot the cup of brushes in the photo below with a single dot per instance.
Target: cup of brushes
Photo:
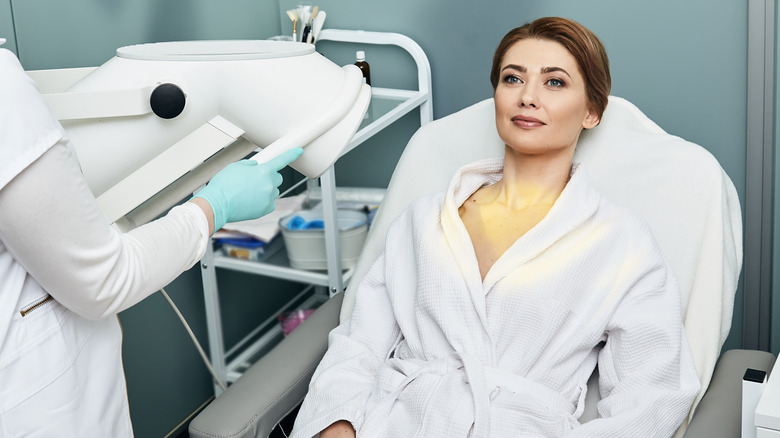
(309, 20)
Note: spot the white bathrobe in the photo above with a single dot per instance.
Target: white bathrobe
(432, 350)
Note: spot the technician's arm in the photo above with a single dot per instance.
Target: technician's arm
(207, 211)
(53, 226)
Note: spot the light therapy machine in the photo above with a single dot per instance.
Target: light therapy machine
(157, 121)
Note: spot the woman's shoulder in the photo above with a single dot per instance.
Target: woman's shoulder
(467, 179)
(424, 206)
(607, 211)
(582, 201)
(626, 225)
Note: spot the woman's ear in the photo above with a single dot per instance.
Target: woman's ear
(591, 120)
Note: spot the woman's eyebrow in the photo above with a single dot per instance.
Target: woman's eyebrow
(519, 68)
(522, 69)
(553, 69)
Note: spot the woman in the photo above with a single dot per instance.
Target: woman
(65, 271)
(493, 302)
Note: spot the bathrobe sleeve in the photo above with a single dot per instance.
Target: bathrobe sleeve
(647, 378)
(345, 378)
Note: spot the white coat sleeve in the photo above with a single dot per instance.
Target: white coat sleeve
(344, 380)
(647, 378)
(52, 225)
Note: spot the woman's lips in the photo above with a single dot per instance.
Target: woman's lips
(527, 122)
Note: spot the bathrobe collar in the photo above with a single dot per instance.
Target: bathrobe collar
(578, 202)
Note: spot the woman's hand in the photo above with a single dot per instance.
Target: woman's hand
(339, 429)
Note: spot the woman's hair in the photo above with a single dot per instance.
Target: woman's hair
(584, 46)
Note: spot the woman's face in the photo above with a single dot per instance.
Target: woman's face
(540, 99)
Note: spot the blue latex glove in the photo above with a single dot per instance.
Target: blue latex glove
(246, 190)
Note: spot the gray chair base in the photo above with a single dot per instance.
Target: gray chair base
(271, 388)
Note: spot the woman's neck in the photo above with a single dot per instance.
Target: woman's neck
(531, 180)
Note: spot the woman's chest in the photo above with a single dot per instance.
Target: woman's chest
(493, 229)
(533, 304)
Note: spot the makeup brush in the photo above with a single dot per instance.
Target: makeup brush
(316, 27)
(301, 9)
(305, 16)
(293, 14)
(308, 36)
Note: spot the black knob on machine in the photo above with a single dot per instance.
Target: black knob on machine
(167, 101)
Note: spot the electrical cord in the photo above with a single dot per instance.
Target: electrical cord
(295, 186)
(189, 330)
(195, 340)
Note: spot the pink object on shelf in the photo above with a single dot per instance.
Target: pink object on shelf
(290, 320)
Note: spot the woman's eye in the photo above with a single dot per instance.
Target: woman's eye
(555, 83)
(512, 79)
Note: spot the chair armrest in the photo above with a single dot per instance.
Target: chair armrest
(274, 385)
(719, 413)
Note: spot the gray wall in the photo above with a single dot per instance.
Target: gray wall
(81, 33)
(7, 26)
(682, 63)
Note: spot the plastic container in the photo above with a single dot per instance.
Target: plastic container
(248, 248)
(291, 320)
(306, 247)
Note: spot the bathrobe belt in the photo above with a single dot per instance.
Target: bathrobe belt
(485, 382)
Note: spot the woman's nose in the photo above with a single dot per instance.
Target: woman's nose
(528, 97)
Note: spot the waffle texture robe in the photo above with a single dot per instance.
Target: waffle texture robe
(432, 350)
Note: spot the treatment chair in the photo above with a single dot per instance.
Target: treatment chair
(678, 187)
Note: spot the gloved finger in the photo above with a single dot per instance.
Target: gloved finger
(278, 179)
(280, 162)
(243, 163)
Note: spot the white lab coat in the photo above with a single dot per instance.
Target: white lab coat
(432, 350)
(64, 274)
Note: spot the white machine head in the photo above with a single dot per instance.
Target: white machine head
(158, 120)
